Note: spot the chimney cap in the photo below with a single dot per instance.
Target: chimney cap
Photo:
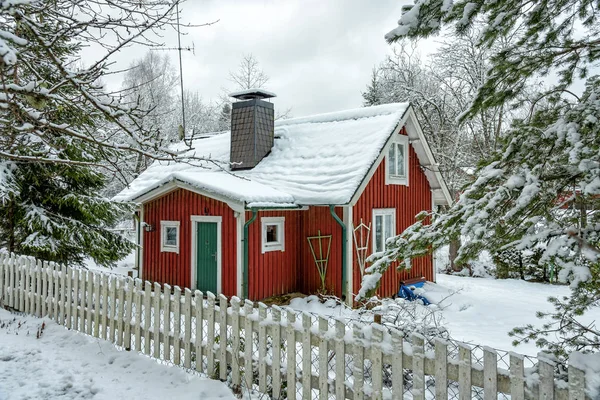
(250, 94)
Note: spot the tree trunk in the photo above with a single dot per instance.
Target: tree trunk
(453, 253)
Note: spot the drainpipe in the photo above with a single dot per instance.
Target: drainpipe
(344, 233)
(245, 275)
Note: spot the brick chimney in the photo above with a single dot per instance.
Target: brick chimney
(252, 128)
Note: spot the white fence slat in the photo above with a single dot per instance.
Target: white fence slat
(306, 357)
(235, 342)
(377, 362)
(26, 285)
(358, 372)
(128, 312)
(276, 356)
(397, 368)
(82, 297)
(112, 314)
(137, 331)
(147, 315)
(63, 294)
(210, 335)
(21, 284)
(441, 369)
(187, 338)
(2, 281)
(464, 372)
(546, 371)
(222, 337)
(418, 390)
(38, 296)
(75, 299)
(199, 304)
(576, 383)
(176, 325)
(248, 344)
(120, 310)
(340, 360)
(50, 295)
(517, 377)
(291, 355)
(55, 296)
(89, 302)
(167, 322)
(11, 282)
(35, 291)
(104, 317)
(262, 348)
(490, 374)
(97, 305)
(156, 321)
(323, 359)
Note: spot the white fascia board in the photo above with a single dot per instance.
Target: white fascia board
(176, 184)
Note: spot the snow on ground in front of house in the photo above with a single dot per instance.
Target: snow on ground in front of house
(69, 365)
(122, 268)
(475, 310)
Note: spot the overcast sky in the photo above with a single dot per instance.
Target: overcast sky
(318, 54)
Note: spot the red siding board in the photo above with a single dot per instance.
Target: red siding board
(175, 268)
(408, 202)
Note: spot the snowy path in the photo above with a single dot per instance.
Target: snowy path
(68, 365)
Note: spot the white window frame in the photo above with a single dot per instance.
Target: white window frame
(395, 179)
(163, 236)
(382, 212)
(274, 246)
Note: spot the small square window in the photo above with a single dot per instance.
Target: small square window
(273, 234)
(169, 236)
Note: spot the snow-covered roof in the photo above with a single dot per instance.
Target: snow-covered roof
(316, 160)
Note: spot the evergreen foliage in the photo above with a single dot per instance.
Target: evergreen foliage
(541, 190)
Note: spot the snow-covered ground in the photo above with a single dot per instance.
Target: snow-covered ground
(69, 365)
(474, 310)
(122, 268)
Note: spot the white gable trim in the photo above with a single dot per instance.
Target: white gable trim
(176, 184)
(419, 143)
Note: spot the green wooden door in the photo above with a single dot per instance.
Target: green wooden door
(206, 256)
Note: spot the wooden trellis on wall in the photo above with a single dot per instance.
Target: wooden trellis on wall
(361, 235)
(318, 244)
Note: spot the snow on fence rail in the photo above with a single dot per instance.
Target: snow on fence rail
(250, 348)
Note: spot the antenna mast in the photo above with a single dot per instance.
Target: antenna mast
(180, 69)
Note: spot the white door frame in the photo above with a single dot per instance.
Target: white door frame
(205, 218)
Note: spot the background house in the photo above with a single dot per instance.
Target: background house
(276, 199)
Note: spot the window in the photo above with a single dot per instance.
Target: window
(169, 236)
(273, 234)
(384, 220)
(397, 161)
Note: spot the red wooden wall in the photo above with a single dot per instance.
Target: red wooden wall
(175, 268)
(408, 202)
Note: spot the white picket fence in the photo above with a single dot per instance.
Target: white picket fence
(269, 350)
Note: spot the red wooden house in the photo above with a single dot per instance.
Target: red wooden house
(278, 199)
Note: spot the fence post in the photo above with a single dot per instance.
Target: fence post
(276, 357)
(340, 360)
(377, 362)
(418, 343)
(359, 363)
(306, 357)
(187, 318)
(248, 344)
(546, 371)
(167, 322)
(210, 336)
(156, 322)
(55, 299)
(63, 294)
(38, 291)
(235, 342)
(137, 327)
(199, 302)
(147, 315)
(441, 369)
(34, 292)
(323, 359)
(517, 377)
(576, 383)
(121, 310)
(262, 348)
(97, 304)
(89, 302)
(177, 325)
(26, 285)
(112, 291)
(223, 337)
(464, 372)
(291, 355)
(21, 283)
(104, 318)
(50, 293)
(82, 290)
(397, 368)
(128, 306)
(490, 374)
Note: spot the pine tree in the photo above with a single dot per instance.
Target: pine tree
(538, 191)
(58, 126)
